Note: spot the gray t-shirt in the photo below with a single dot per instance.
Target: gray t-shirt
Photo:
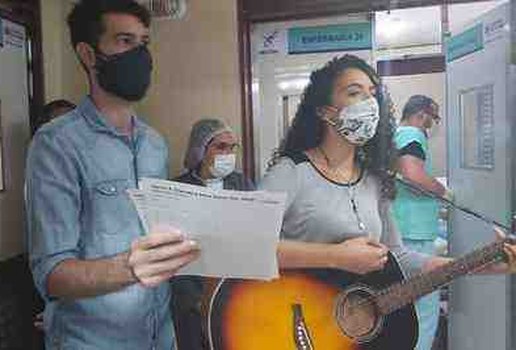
(321, 210)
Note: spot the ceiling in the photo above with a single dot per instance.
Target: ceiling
(408, 27)
(422, 25)
(275, 10)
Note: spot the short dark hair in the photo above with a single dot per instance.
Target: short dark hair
(415, 104)
(85, 20)
(52, 106)
(50, 111)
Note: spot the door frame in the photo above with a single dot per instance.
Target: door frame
(28, 14)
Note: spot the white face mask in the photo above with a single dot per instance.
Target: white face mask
(223, 165)
(357, 123)
(215, 184)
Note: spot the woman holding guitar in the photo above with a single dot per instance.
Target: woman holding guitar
(336, 165)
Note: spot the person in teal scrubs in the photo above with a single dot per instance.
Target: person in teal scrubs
(416, 214)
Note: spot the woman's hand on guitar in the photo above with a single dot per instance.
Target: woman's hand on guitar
(358, 255)
(510, 252)
(509, 266)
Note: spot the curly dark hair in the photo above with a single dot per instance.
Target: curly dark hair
(378, 155)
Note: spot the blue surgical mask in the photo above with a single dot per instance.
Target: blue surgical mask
(223, 165)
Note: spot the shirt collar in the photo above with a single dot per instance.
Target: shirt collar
(195, 175)
(99, 122)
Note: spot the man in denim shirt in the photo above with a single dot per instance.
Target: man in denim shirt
(101, 277)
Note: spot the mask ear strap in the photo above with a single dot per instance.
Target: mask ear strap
(329, 121)
(100, 57)
(324, 118)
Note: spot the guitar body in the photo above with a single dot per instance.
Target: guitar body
(301, 310)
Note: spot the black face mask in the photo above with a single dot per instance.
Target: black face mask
(127, 74)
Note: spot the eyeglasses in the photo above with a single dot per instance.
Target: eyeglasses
(225, 147)
(436, 118)
(431, 113)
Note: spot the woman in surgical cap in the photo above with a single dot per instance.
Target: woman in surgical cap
(211, 157)
(210, 161)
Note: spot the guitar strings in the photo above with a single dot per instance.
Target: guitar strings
(372, 299)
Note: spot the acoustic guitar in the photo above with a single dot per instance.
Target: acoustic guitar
(326, 309)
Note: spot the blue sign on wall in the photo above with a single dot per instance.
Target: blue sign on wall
(341, 37)
(465, 43)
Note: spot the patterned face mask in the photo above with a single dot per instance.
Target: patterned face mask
(358, 123)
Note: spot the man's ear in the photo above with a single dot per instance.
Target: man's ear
(86, 55)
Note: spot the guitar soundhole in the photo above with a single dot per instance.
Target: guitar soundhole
(357, 314)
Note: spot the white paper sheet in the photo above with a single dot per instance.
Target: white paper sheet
(238, 232)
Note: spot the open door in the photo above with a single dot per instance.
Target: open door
(480, 171)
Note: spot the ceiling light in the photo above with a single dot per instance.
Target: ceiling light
(391, 27)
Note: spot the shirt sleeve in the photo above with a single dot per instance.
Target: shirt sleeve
(413, 149)
(282, 177)
(406, 136)
(411, 262)
(53, 202)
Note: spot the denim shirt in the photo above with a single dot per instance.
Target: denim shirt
(78, 171)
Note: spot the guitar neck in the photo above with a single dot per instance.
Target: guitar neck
(408, 291)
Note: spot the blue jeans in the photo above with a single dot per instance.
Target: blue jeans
(427, 308)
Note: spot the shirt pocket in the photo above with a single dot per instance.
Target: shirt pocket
(113, 211)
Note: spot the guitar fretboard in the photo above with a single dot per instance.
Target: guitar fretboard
(401, 294)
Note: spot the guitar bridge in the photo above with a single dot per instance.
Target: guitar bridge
(301, 335)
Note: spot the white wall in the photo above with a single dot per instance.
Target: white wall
(197, 73)
(64, 77)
